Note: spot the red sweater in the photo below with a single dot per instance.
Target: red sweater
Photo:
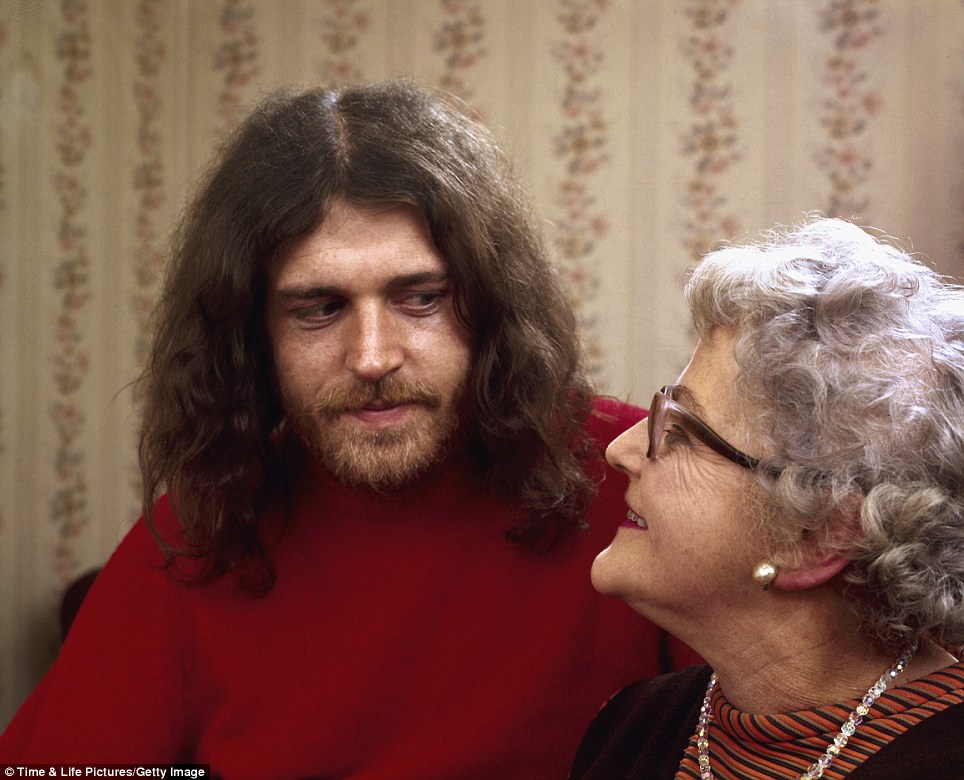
(400, 641)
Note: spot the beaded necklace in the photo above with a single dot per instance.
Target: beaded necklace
(816, 769)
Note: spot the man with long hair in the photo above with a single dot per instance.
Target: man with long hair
(372, 477)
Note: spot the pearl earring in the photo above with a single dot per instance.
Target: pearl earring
(764, 573)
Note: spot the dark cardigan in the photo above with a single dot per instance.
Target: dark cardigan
(642, 733)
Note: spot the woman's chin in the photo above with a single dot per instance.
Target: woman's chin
(611, 575)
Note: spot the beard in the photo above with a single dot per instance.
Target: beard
(389, 459)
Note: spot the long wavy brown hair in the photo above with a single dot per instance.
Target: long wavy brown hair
(211, 412)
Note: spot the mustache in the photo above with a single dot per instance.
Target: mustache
(388, 391)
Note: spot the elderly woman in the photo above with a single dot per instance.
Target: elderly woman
(796, 515)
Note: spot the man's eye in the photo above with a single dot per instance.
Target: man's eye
(423, 301)
(323, 310)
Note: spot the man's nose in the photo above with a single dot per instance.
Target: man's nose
(375, 345)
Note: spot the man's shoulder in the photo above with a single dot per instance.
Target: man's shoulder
(610, 417)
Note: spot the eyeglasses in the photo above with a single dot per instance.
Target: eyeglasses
(662, 403)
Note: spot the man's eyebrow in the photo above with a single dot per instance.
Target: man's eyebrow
(304, 293)
(422, 277)
(308, 292)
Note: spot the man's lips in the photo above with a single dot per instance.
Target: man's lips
(381, 413)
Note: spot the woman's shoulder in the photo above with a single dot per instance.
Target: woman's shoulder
(660, 698)
(643, 730)
(929, 749)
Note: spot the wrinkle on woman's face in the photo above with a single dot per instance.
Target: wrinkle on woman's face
(699, 509)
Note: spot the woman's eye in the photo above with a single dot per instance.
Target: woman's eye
(675, 436)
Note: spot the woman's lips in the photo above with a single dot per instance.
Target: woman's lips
(634, 521)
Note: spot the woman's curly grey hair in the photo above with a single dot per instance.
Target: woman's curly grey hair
(851, 357)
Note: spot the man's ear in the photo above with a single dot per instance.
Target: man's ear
(819, 566)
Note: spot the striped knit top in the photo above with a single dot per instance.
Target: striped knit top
(766, 746)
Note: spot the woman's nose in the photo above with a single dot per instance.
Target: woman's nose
(627, 451)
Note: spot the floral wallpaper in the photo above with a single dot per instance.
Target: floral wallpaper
(341, 28)
(647, 131)
(460, 41)
(147, 257)
(71, 286)
(580, 145)
(3, 275)
(850, 101)
(712, 140)
(236, 59)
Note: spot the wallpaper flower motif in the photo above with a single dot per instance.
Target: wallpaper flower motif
(852, 26)
(236, 58)
(3, 204)
(342, 26)
(148, 255)
(580, 145)
(3, 41)
(71, 281)
(460, 39)
(712, 139)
